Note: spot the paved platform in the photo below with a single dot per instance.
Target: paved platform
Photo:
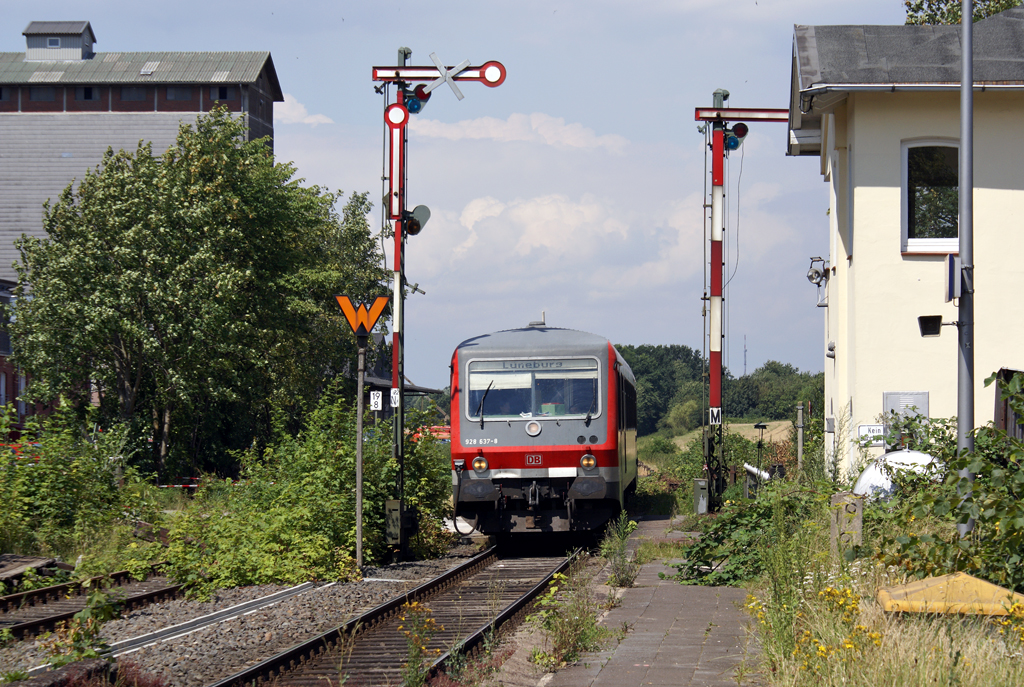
(681, 635)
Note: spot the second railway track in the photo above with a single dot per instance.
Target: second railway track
(468, 602)
(29, 613)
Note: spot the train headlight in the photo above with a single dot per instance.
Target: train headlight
(588, 461)
(479, 463)
(533, 428)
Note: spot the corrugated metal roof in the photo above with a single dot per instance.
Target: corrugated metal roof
(129, 68)
(57, 28)
(836, 55)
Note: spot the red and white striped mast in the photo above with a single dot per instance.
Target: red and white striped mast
(410, 101)
(723, 139)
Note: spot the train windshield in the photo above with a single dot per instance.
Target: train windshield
(519, 389)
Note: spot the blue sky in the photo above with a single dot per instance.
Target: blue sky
(576, 187)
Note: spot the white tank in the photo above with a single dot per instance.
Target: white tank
(874, 481)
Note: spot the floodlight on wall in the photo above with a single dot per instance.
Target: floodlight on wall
(818, 275)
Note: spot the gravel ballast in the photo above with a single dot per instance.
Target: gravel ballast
(209, 654)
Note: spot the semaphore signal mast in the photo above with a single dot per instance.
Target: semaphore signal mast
(724, 138)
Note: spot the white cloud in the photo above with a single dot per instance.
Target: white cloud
(291, 111)
(534, 128)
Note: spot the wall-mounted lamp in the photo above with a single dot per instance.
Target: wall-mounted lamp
(931, 325)
(818, 275)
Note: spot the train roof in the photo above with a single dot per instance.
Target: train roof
(537, 341)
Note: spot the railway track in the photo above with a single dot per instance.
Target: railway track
(478, 598)
(29, 613)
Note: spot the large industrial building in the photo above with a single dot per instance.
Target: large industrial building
(62, 105)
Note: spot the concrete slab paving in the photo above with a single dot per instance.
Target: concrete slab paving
(680, 635)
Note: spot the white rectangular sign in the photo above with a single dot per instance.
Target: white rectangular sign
(875, 431)
(394, 398)
(376, 400)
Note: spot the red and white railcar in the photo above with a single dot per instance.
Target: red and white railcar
(543, 435)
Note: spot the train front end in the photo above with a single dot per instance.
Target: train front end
(537, 441)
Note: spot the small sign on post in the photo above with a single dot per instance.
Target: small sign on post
(871, 435)
(362, 319)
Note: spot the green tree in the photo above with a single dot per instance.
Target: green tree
(169, 285)
(949, 11)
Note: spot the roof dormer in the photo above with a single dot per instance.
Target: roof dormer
(58, 41)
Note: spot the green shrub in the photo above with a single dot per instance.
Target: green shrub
(735, 544)
(292, 517)
(61, 485)
(623, 568)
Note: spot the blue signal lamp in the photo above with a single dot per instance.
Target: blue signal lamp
(416, 99)
(734, 136)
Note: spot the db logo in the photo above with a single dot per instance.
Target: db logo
(533, 459)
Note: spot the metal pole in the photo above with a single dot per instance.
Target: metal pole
(713, 445)
(398, 307)
(361, 369)
(965, 319)
(799, 437)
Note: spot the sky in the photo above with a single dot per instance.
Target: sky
(576, 188)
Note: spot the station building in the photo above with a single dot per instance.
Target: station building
(880, 107)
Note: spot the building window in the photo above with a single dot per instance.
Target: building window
(133, 93)
(53, 42)
(87, 93)
(222, 93)
(931, 196)
(41, 93)
(179, 93)
(5, 93)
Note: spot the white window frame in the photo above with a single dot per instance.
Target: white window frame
(53, 41)
(909, 245)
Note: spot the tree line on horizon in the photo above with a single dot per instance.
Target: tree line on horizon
(672, 389)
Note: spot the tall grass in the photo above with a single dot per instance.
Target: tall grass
(820, 625)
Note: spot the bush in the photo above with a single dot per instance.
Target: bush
(63, 487)
(734, 546)
(292, 518)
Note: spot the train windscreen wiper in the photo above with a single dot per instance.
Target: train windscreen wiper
(593, 406)
(480, 408)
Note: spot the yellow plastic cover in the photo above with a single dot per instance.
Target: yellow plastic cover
(957, 593)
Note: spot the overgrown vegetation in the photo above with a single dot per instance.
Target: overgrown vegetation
(567, 612)
(79, 639)
(293, 517)
(70, 493)
(622, 568)
(816, 612)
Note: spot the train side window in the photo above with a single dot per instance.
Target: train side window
(630, 407)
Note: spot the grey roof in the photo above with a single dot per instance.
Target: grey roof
(58, 28)
(127, 68)
(829, 62)
(914, 54)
